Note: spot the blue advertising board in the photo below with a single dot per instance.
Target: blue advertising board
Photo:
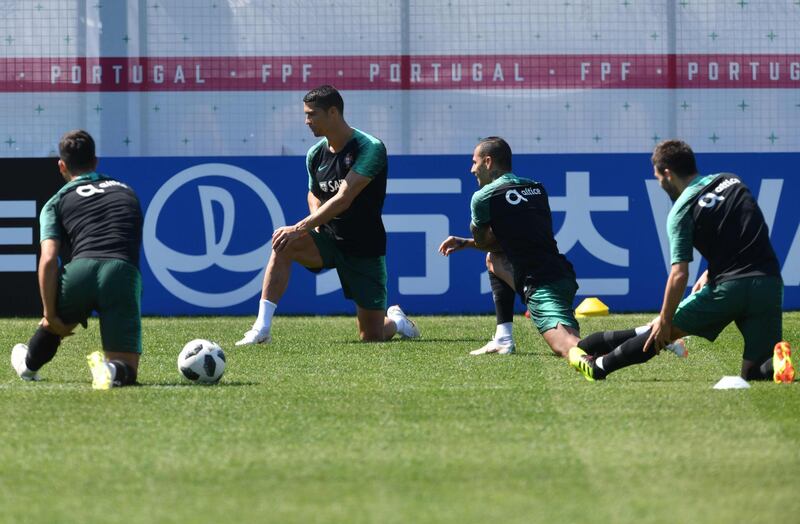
(208, 224)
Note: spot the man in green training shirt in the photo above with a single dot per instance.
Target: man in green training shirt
(511, 220)
(98, 223)
(347, 172)
(718, 215)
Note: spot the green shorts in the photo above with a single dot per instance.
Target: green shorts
(113, 288)
(754, 303)
(551, 304)
(363, 278)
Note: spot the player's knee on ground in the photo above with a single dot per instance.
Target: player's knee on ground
(371, 335)
(561, 339)
(559, 350)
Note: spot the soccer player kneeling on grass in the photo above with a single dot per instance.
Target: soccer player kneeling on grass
(99, 220)
(347, 172)
(511, 220)
(718, 215)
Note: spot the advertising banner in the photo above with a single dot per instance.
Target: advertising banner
(27, 185)
(208, 224)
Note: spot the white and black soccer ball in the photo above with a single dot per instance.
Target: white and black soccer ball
(202, 361)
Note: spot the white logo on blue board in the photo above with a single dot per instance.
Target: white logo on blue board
(163, 260)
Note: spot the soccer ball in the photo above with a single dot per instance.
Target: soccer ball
(202, 361)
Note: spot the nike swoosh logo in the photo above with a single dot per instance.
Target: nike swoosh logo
(320, 168)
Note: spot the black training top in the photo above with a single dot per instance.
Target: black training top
(94, 217)
(518, 212)
(718, 215)
(359, 230)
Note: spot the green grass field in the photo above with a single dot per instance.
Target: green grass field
(317, 427)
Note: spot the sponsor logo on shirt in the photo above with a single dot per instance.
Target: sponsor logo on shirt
(88, 190)
(709, 200)
(513, 197)
(725, 185)
(330, 186)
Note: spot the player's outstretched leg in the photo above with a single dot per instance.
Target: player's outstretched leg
(406, 327)
(302, 250)
(584, 364)
(603, 342)
(626, 354)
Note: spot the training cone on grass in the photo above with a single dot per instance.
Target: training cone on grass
(591, 307)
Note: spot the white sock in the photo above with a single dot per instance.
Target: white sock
(503, 334)
(599, 363)
(265, 311)
(641, 329)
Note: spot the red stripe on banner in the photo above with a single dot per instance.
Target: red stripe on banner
(407, 72)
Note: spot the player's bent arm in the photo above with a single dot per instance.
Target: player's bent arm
(48, 276)
(48, 288)
(676, 287)
(673, 294)
(313, 203)
(484, 238)
(452, 244)
(350, 188)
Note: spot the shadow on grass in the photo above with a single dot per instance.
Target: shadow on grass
(70, 384)
(530, 353)
(412, 341)
(222, 384)
(675, 380)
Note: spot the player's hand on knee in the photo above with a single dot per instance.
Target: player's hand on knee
(283, 236)
(56, 325)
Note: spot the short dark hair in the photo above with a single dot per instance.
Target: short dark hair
(498, 149)
(325, 97)
(675, 155)
(76, 149)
